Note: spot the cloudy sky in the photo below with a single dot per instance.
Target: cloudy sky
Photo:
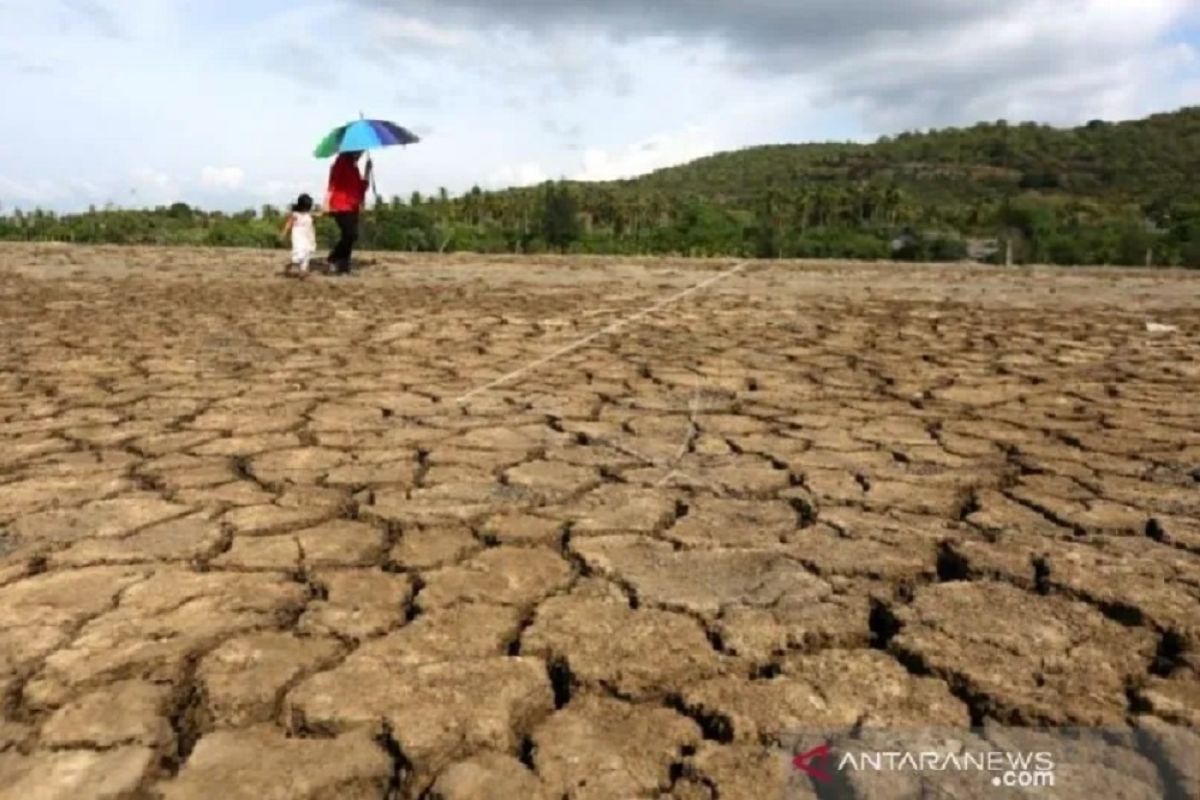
(220, 103)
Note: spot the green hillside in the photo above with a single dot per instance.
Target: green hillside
(1071, 195)
(1148, 160)
(1102, 193)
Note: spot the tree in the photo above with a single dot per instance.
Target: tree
(1133, 242)
(560, 217)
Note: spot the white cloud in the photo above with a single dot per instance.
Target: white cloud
(278, 191)
(274, 188)
(656, 152)
(398, 30)
(1057, 61)
(13, 192)
(95, 15)
(151, 178)
(224, 178)
(87, 188)
(528, 173)
(45, 192)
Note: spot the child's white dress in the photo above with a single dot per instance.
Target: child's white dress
(304, 239)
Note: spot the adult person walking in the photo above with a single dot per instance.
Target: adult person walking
(344, 202)
(347, 188)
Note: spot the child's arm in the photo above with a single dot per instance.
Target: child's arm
(287, 226)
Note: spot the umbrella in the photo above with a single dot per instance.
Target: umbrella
(364, 134)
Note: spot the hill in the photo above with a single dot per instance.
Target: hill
(1104, 193)
(1064, 194)
(1150, 160)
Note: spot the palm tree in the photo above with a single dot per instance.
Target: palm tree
(893, 199)
(658, 209)
(603, 208)
(622, 214)
(640, 210)
(821, 205)
(800, 204)
(473, 202)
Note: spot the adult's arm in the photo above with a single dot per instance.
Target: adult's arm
(334, 169)
(364, 183)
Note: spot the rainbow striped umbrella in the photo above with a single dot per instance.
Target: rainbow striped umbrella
(364, 134)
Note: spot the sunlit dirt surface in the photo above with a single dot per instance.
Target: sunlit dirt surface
(393, 534)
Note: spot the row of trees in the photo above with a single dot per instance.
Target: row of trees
(1099, 194)
(820, 223)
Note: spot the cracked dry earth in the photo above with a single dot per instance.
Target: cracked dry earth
(252, 547)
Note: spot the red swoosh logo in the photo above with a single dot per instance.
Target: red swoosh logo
(803, 763)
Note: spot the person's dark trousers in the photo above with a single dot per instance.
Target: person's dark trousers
(339, 256)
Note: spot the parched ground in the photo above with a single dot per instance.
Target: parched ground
(269, 539)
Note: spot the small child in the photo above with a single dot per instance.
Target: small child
(304, 235)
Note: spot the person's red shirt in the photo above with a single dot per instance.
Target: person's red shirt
(347, 188)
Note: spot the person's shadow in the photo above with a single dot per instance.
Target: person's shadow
(323, 267)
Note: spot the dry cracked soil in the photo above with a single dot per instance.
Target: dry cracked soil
(392, 536)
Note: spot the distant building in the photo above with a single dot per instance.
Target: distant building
(939, 246)
(982, 249)
(905, 241)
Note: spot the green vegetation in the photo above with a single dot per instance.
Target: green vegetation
(1103, 193)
